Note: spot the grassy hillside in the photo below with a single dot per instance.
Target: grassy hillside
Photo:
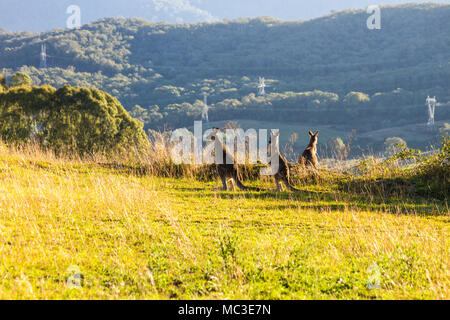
(139, 236)
(166, 68)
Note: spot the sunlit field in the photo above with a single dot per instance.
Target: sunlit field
(137, 236)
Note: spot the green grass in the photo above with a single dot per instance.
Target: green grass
(143, 237)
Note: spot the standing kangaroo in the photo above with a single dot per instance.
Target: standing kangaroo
(283, 171)
(309, 156)
(226, 171)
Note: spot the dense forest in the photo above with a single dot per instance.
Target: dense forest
(331, 71)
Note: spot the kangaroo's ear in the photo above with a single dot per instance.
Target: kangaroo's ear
(317, 133)
(310, 133)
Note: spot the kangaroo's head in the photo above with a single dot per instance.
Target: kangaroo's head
(314, 137)
(273, 133)
(213, 134)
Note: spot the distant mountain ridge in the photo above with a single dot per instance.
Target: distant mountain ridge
(46, 15)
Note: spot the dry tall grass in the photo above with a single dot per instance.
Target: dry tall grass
(133, 234)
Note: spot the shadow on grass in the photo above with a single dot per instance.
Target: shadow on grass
(326, 201)
(137, 171)
(395, 196)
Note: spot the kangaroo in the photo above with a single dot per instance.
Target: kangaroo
(309, 156)
(283, 171)
(228, 172)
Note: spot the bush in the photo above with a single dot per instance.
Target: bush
(432, 175)
(20, 79)
(407, 173)
(393, 145)
(3, 85)
(70, 119)
(356, 98)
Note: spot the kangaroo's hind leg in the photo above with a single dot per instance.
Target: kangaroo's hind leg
(224, 183)
(233, 184)
(288, 185)
(278, 184)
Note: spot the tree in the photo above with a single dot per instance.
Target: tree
(3, 85)
(397, 97)
(23, 112)
(139, 113)
(355, 98)
(393, 145)
(70, 119)
(337, 147)
(20, 79)
(445, 129)
(90, 121)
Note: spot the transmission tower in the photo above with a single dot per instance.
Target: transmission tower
(205, 108)
(43, 56)
(431, 103)
(262, 87)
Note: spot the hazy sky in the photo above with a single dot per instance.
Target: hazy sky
(41, 15)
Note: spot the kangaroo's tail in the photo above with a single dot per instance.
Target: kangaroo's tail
(243, 187)
(301, 160)
(289, 186)
(307, 162)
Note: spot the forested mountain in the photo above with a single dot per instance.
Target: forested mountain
(332, 71)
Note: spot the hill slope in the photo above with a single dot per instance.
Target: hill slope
(166, 68)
